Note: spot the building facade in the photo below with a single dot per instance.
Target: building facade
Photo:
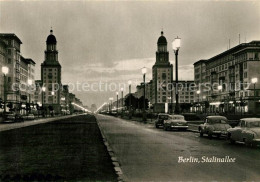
(228, 83)
(12, 60)
(3, 52)
(51, 75)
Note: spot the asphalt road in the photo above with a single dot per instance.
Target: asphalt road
(149, 154)
(67, 149)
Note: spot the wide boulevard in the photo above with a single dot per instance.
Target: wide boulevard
(149, 154)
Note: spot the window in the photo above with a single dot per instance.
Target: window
(164, 99)
(9, 51)
(245, 75)
(256, 55)
(9, 61)
(245, 65)
(164, 76)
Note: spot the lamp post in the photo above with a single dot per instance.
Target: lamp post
(176, 44)
(117, 103)
(29, 86)
(144, 70)
(220, 89)
(111, 100)
(5, 71)
(52, 93)
(129, 84)
(198, 92)
(122, 94)
(43, 91)
(254, 81)
(204, 100)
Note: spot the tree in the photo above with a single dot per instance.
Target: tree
(185, 106)
(134, 101)
(141, 103)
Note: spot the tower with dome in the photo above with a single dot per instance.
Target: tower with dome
(51, 75)
(162, 76)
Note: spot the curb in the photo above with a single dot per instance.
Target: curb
(194, 131)
(111, 153)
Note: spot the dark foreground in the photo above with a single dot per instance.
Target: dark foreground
(69, 149)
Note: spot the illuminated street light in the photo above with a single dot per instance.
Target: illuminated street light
(144, 70)
(129, 102)
(254, 81)
(220, 87)
(5, 71)
(176, 44)
(117, 103)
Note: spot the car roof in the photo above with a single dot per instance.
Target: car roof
(250, 119)
(163, 114)
(177, 115)
(216, 117)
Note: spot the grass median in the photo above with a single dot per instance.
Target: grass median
(70, 149)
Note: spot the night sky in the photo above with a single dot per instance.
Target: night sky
(111, 41)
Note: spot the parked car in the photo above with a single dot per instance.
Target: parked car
(18, 118)
(214, 125)
(30, 117)
(247, 131)
(175, 122)
(9, 118)
(160, 119)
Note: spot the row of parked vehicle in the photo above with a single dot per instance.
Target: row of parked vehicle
(11, 117)
(246, 131)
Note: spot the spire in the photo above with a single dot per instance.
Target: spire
(162, 33)
(51, 31)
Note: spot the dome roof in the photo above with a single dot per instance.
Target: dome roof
(51, 39)
(162, 39)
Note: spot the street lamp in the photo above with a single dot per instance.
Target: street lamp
(254, 81)
(144, 70)
(52, 93)
(198, 92)
(111, 100)
(176, 44)
(43, 91)
(122, 94)
(220, 89)
(5, 71)
(129, 84)
(29, 85)
(117, 103)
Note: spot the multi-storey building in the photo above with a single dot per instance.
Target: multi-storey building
(3, 52)
(228, 83)
(27, 80)
(12, 59)
(51, 74)
(65, 99)
(162, 76)
(186, 92)
(24, 81)
(38, 92)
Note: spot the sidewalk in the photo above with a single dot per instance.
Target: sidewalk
(10, 126)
